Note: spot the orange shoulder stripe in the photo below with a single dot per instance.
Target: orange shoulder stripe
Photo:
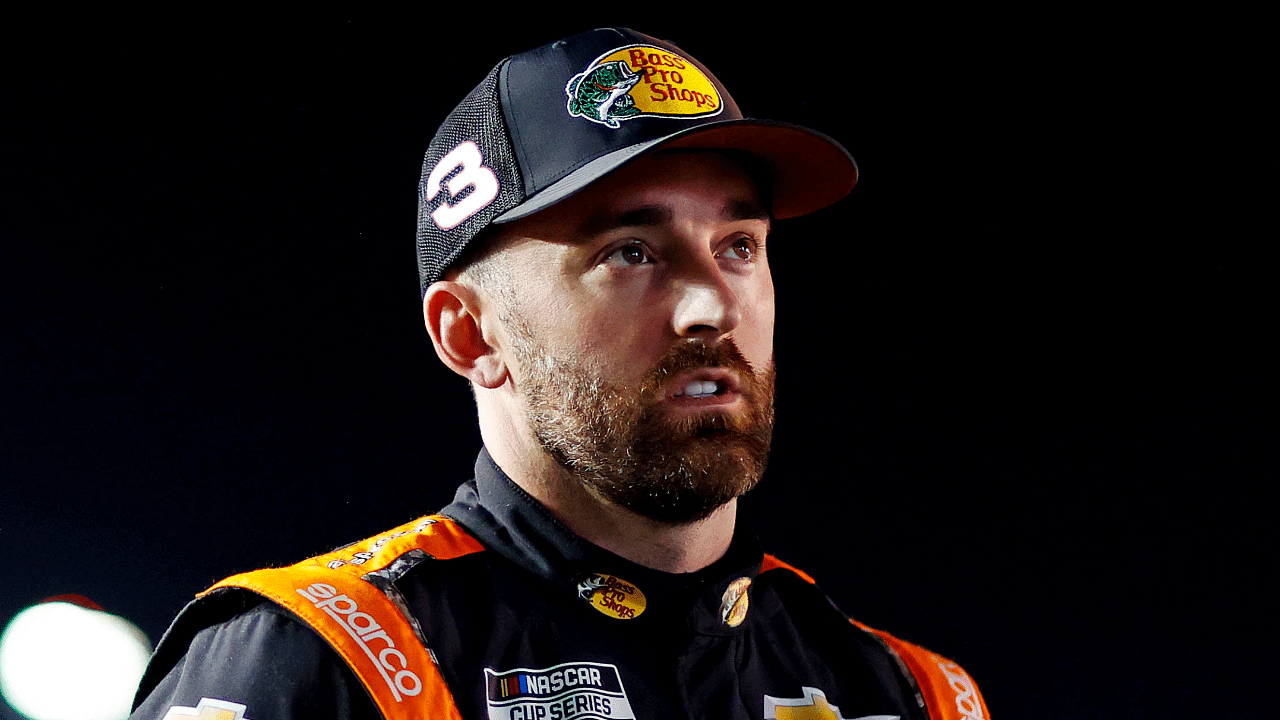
(773, 563)
(362, 624)
(949, 692)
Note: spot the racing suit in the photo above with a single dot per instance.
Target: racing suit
(493, 609)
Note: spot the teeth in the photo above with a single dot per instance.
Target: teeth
(700, 388)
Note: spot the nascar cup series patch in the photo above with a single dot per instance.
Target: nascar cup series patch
(563, 692)
(641, 81)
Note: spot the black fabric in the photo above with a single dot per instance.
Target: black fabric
(524, 123)
(477, 119)
(678, 659)
(516, 606)
(550, 142)
(266, 660)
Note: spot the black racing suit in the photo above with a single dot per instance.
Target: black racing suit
(516, 635)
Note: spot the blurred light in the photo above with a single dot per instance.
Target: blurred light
(60, 661)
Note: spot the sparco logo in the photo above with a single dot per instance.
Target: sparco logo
(572, 691)
(390, 663)
(966, 697)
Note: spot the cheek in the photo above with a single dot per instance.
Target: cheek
(755, 335)
(756, 342)
(595, 340)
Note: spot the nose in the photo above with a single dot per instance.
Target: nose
(706, 307)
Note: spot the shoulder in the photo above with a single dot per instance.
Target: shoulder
(334, 613)
(948, 691)
(944, 688)
(365, 569)
(258, 663)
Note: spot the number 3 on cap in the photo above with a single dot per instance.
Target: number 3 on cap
(474, 175)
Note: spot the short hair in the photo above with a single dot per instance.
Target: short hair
(477, 258)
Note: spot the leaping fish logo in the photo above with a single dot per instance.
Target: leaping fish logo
(600, 94)
(588, 586)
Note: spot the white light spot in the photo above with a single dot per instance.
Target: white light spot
(60, 661)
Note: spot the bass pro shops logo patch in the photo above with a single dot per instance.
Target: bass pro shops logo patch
(612, 596)
(571, 691)
(641, 81)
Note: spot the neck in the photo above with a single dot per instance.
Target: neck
(674, 548)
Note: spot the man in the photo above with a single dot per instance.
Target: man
(593, 242)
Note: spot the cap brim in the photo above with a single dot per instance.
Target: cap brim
(810, 170)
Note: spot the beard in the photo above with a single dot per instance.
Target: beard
(617, 439)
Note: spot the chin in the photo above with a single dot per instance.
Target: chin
(704, 474)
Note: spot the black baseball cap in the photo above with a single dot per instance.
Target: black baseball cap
(548, 122)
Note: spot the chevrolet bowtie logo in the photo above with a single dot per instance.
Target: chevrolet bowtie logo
(208, 709)
(812, 706)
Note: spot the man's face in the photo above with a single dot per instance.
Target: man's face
(640, 319)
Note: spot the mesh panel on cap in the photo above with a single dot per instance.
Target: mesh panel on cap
(478, 118)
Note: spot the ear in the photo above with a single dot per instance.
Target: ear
(453, 314)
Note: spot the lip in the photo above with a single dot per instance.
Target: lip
(728, 392)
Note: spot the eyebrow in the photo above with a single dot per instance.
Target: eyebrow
(655, 215)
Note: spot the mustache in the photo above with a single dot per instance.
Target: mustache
(694, 354)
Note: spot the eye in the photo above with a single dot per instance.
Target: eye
(743, 248)
(631, 254)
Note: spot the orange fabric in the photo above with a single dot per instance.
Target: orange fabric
(379, 644)
(361, 623)
(949, 693)
(772, 563)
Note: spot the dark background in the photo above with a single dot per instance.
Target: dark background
(1020, 376)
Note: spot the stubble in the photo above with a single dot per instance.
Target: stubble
(618, 439)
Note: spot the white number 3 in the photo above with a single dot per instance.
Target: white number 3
(474, 175)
